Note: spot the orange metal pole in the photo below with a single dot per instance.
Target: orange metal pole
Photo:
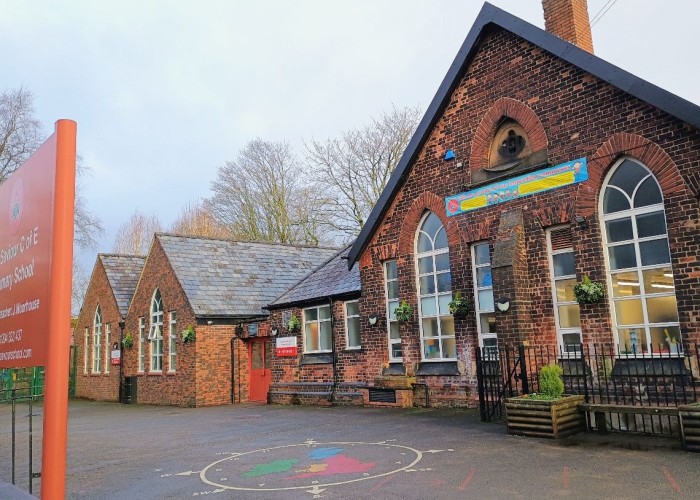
(53, 462)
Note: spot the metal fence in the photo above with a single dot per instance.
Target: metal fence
(606, 375)
(22, 433)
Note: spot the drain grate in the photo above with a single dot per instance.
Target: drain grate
(382, 395)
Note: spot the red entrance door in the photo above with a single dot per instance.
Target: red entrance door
(260, 376)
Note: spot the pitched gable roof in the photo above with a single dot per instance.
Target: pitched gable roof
(331, 279)
(490, 18)
(223, 278)
(123, 273)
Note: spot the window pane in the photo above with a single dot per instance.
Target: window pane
(354, 332)
(486, 300)
(352, 308)
(449, 348)
(625, 284)
(424, 243)
(659, 280)
(483, 277)
(431, 348)
(430, 327)
(427, 284)
(444, 282)
(390, 266)
(488, 323)
(651, 224)
(311, 336)
(442, 262)
(425, 265)
(619, 230)
(443, 301)
(392, 309)
(564, 264)
(324, 312)
(428, 306)
(662, 339)
(662, 309)
(326, 332)
(622, 256)
(565, 290)
(632, 340)
(571, 338)
(396, 350)
(654, 252)
(393, 290)
(394, 331)
(614, 201)
(481, 253)
(256, 356)
(629, 312)
(569, 316)
(310, 314)
(441, 239)
(648, 194)
(431, 225)
(627, 176)
(447, 325)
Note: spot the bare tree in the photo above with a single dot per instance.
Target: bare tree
(355, 168)
(264, 194)
(196, 219)
(135, 235)
(88, 227)
(20, 131)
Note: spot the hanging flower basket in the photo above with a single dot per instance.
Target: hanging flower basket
(404, 312)
(128, 341)
(293, 325)
(459, 305)
(588, 292)
(188, 334)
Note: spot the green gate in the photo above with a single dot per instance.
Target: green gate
(30, 381)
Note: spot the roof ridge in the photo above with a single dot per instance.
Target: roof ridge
(256, 242)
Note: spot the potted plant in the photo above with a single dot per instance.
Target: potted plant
(188, 334)
(459, 305)
(403, 312)
(588, 292)
(128, 340)
(293, 325)
(549, 413)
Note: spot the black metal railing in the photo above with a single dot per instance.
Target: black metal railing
(17, 400)
(604, 374)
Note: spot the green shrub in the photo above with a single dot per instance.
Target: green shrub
(128, 341)
(551, 383)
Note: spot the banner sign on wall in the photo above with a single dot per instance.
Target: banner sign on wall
(566, 174)
(285, 346)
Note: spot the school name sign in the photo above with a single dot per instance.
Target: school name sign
(566, 174)
(26, 226)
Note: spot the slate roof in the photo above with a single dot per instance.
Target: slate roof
(223, 278)
(123, 272)
(331, 279)
(489, 18)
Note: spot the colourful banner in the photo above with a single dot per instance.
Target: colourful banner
(566, 174)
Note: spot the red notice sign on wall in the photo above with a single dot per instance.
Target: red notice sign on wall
(26, 225)
(285, 346)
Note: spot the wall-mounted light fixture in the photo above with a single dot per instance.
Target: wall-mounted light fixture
(372, 319)
(503, 304)
(581, 221)
(210, 322)
(449, 155)
(274, 332)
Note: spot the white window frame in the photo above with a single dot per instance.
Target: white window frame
(97, 341)
(172, 342)
(633, 213)
(142, 344)
(349, 316)
(391, 305)
(306, 321)
(436, 295)
(477, 305)
(108, 346)
(155, 333)
(555, 300)
(86, 356)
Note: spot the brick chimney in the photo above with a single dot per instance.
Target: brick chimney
(568, 19)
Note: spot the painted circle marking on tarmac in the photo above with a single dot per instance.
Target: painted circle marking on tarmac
(315, 484)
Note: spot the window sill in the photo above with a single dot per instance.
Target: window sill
(317, 358)
(394, 368)
(438, 368)
(353, 348)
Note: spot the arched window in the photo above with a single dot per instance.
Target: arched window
(640, 278)
(434, 290)
(97, 341)
(155, 334)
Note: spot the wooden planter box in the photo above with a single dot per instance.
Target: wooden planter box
(690, 426)
(549, 419)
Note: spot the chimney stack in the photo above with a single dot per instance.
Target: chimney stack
(568, 19)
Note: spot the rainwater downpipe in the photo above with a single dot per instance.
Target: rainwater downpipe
(333, 353)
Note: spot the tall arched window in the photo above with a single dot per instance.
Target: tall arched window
(640, 278)
(155, 334)
(434, 290)
(97, 341)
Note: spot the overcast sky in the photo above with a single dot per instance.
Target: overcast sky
(166, 91)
